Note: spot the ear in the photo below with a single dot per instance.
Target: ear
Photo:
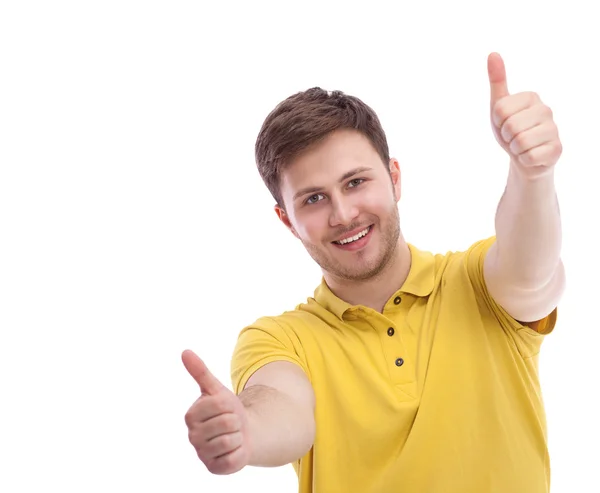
(394, 166)
(284, 218)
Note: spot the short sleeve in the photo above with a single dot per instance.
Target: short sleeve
(529, 340)
(265, 341)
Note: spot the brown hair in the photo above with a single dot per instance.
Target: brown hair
(304, 119)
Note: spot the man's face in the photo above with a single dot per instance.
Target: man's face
(341, 203)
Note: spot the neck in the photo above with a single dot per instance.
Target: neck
(376, 291)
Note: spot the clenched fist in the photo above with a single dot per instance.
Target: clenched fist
(522, 124)
(217, 421)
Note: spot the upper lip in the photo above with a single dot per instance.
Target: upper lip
(352, 233)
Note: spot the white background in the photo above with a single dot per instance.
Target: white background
(134, 225)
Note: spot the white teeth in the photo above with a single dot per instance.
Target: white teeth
(353, 238)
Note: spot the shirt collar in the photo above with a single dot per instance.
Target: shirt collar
(419, 282)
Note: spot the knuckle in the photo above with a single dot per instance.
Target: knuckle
(189, 418)
(231, 422)
(228, 461)
(221, 404)
(509, 129)
(516, 144)
(201, 452)
(226, 442)
(520, 140)
(557, 146)
(527, 158)
(216, 467)
(501, 111)
(209, 462)
(196, 439)
(191, 415)
(221, 465)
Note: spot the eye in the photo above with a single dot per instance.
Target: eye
(313, 198)
(355, 182)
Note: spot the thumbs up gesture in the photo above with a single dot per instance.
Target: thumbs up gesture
(217, 422)
(522, 124)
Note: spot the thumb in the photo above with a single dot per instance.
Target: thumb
(198, 370)
(497, 75)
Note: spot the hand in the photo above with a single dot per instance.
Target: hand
(522, 124)
(217, 421)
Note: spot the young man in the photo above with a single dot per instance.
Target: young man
(406, 371)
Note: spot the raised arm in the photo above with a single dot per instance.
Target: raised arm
(523, 268)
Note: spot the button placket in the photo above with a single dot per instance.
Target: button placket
(397, 359)
(391, 332)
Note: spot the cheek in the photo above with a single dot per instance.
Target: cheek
(312, 227)
(377, 204)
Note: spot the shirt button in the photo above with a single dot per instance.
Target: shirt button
(399, 362)
(397, 300)
(391, 331)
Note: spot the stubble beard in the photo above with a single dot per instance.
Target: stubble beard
(363, 269)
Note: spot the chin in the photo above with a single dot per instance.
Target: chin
(358, 273)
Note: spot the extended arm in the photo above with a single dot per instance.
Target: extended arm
(523, 269)
(280, 403)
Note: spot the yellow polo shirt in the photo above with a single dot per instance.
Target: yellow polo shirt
(437, 394)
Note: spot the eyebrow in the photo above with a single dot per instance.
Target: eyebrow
(344, 177)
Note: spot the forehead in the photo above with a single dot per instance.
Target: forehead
(327, 161)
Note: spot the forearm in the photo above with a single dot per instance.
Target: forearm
(281, 429)
(528, 230)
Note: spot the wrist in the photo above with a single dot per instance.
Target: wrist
(531, 175)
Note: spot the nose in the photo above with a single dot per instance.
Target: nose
(343, 212)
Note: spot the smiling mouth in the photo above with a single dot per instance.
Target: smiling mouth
(354, 238)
